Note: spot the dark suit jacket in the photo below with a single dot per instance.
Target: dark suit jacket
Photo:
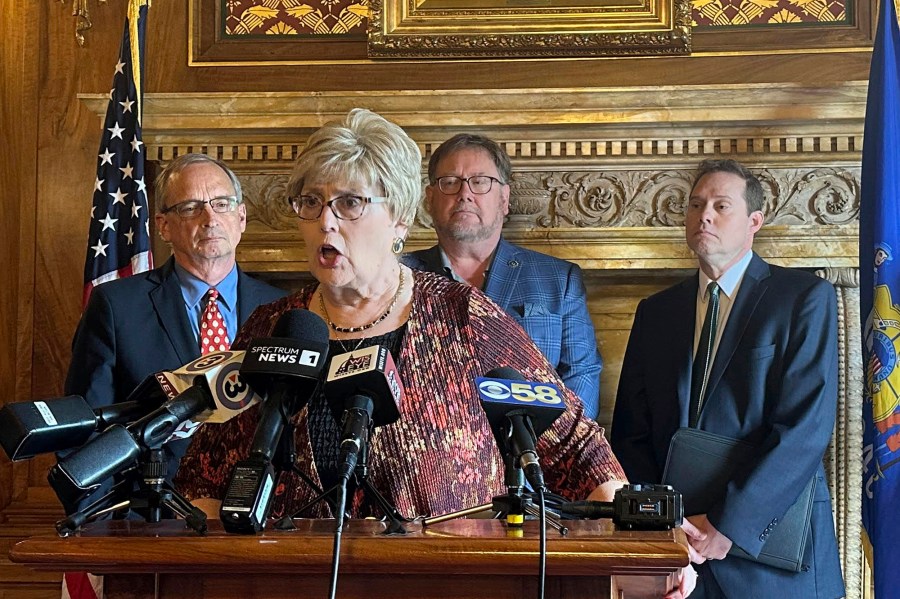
(136, 326)
(546, 296)
(773, 383)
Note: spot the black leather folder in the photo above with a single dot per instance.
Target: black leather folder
(701, 464)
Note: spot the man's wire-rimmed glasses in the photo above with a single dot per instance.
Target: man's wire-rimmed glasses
(193, 208)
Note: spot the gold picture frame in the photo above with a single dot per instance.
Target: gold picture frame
(527, 28)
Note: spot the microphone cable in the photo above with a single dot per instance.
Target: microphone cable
(542, 547)
(338, 532)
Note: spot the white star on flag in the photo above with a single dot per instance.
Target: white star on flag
(135, 208)
(116, 131)
(136, 145)
(100, 248)
(118, 197)
(115, 254)
(109, 223)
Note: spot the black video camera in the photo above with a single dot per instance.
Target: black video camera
(638, 506)
(647, 507)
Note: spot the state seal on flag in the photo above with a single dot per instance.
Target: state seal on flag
(883, 372)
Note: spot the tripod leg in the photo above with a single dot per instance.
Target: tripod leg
(552, 519)
(393, 515)
(103, 505)
(193, 516)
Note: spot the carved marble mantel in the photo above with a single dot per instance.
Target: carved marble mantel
(601, 174)
(601, 179)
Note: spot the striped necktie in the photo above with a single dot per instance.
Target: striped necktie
(703, 357)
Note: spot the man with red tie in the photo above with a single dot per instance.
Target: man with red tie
(191, 305)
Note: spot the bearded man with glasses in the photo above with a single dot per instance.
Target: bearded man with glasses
(139, 325)
(468, 200)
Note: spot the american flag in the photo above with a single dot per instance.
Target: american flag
(119, 237)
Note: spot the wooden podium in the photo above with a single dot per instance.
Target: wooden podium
(455, 559)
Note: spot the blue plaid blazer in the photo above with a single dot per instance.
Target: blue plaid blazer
(546, 296)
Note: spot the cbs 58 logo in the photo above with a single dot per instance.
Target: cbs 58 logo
(519, 391)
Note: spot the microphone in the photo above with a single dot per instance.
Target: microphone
(118, 448)
(220, 372)
(215, 394)
(362, 390)
(52, 425)
(518, 412)
(29, 428)
(285, 368)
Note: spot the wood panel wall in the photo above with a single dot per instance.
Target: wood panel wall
(48, 161)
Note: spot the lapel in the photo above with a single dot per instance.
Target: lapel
(682, 327)
(753, 287)
(504, 273)
(169, 306)
(246, 299)
(429, 260)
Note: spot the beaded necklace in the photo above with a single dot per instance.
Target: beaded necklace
(365, 327)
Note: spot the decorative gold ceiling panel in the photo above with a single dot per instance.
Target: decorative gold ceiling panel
(348, 17)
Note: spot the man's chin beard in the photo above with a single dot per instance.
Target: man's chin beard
(467, 234)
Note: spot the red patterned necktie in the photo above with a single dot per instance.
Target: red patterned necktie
(213, 335)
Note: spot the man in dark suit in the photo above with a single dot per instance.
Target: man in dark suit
(149, 322)
(468, 198)
(769, 377)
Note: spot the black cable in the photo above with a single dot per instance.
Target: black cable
(542, 550)
(338, 531)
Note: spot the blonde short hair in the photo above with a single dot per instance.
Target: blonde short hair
(365, 148)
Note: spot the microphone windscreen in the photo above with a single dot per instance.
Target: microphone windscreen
(505, 372)
(301, 324)
(298, 348)
(504, 391)
(370, 371)
(28, 428)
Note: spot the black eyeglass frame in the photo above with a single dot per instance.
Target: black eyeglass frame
(466, 180)
(232, 205)
(367, 200)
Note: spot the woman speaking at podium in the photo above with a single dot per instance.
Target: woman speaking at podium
(356, 188)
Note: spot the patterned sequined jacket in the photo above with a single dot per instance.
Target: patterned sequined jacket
(441, 455)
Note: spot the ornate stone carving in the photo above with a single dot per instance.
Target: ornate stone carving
(652, 198)
(265, 198)
(824, 196)
(621, 198)
(841, 277)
